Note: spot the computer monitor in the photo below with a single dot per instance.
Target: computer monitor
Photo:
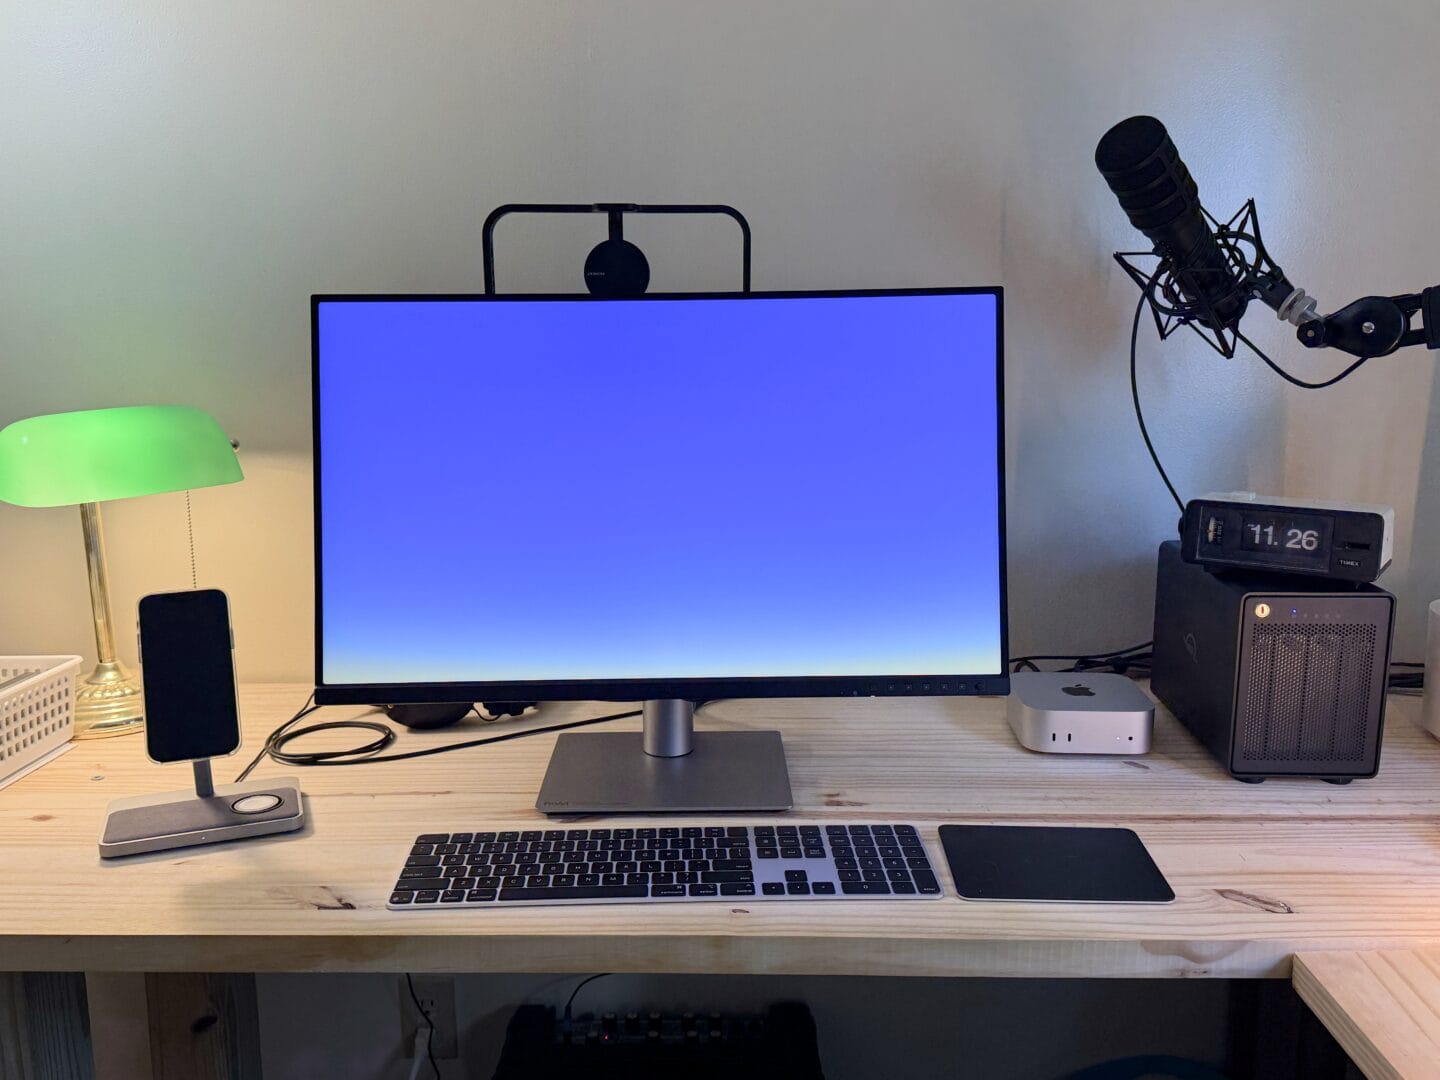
(669, 499)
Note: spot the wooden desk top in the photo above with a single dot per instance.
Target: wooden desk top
(1382, 1007)
(1261, 871)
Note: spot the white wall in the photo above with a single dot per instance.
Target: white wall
(178, 179)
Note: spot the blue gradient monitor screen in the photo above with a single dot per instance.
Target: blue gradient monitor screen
(771, 487)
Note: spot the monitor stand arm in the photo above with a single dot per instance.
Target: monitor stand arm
(666, 768)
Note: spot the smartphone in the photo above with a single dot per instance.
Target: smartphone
(187, 668)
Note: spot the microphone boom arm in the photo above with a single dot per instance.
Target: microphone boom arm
(1377, 325)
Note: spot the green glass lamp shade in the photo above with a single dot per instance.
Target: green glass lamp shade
(99, 454)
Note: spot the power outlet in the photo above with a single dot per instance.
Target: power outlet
(437, 999)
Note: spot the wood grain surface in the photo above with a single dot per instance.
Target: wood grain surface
(1382, 1007)
(1260, 872)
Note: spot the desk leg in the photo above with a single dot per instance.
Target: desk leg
(174, 1026)
(119, 1025)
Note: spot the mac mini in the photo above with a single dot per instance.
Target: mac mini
(1065, 712)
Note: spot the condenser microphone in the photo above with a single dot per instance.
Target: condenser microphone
(1140, 163)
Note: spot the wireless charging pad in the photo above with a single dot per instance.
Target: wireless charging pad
(179, 819)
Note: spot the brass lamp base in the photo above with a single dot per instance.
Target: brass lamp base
(108, 702)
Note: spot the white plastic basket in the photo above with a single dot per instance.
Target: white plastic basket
(37, 714)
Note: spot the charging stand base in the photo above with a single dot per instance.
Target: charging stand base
(611, 773)
(179, 819)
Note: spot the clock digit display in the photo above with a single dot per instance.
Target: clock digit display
(1299, 538)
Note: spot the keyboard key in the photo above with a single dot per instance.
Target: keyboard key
(452, 896)
(814, 853)
(714, 830)
(512, 882)
(773, 888)
(662, 879)
(646, 834)
(669, 833)
(893, 863)
(921, 863)
(451, 860)
(484, 837)
(730, 864)
(767, 853)
(506, 837)
(416, 872)
(737, 830)
(651, 866)
(904, 830)
(898, 875)
(423, 860)
(423, 849)
(717, 877)
(577, 834)
(925, 882)
(902, 887)
(530, 834)
(599, 834)
(796, 875)
(736, 888)
(848, 875)
(402, 897)
(698, 864)
(871, 863)
(690, 830)
(687, 877)
(423, 884)
(889, 852)
(842, 863)
(598, 892)
(823, 888)
(587, 879)
(790, 853)
(622, 834)
(865, 888)
(612, 879)
(704, 890)
(787, 830)
(668, 890)
(637, 879)
(760, 830)
(836, 830)
(428, 896)
(873, 875)
(563, 881)
(479, 896)
(461, 837)
(537, 881)
(433, 838)
(797, 888)
(552, 834)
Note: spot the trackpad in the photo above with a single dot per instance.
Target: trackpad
(1049, 863)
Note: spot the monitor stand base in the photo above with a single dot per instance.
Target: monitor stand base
(610, 773)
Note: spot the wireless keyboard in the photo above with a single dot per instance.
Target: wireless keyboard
(502, 868)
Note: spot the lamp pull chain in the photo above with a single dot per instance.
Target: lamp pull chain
(190, 528)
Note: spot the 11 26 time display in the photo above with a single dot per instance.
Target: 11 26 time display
(1296, 536)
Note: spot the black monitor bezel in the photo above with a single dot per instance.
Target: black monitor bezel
(695, 689)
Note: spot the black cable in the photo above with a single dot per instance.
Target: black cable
(369, 752)
(1135, 396)
(305, 710)
(1291, 378)
(429, 1026)
(578, 987)
(1080, 656)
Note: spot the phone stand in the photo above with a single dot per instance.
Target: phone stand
(208, 815)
